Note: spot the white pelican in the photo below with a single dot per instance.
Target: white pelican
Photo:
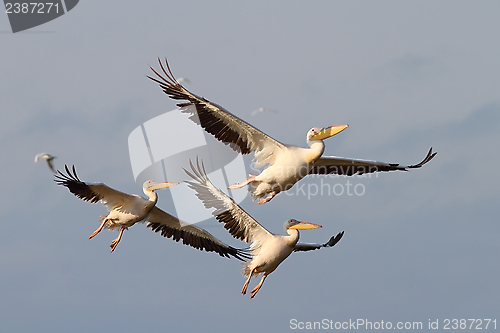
(126, 210)
(287, 164)
(47, 157)
(267, 250)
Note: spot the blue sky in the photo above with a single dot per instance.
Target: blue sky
(418, 246)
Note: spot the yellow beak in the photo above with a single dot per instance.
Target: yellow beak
(327, 132)
(161, 185)
(305, 225)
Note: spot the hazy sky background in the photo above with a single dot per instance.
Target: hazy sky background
(418, 246)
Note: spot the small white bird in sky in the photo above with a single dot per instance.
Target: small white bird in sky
(125, 210)
(268, 250)
(47, 157)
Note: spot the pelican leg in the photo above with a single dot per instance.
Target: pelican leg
(240, 185)
(98, 230)
(115, 242)
(268, 198)
(257, 287)
(245, 286)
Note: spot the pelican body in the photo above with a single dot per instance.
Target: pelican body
(125, 210)
(268, 250)
(290, 165)
(137, 210)
(287, 164)
(269, 254)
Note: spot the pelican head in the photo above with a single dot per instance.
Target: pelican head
(151, 185)
(294, 224)
(317, 133)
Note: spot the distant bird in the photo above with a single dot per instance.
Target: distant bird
(182, 79)
(287, 164)
(267, 250)
(262, 110)
(47, 157)
(125, 210)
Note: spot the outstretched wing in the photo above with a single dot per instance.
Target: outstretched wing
(219, 122)
(239, 224)
(349, 166)
(170, 227)
(50, 163)
(308, 247)
(94, 192)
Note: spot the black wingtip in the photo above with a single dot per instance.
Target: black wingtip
(71, 181)
(201, 244)
(199, 171)
(62, 179)
(242, 254)
(334, 240)
(428, 158)
(167, 80)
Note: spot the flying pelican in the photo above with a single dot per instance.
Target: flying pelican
(267, 250)
(126, 210)
(47, 157)
(287, 164)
